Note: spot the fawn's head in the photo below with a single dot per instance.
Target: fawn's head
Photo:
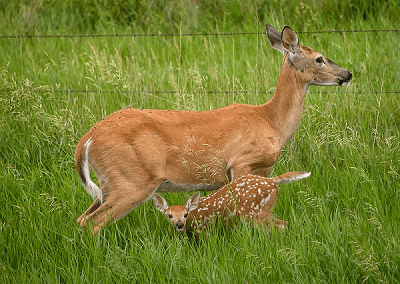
(177, 214)
(314, 68)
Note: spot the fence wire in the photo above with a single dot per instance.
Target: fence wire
(183, 35)
(189, 92)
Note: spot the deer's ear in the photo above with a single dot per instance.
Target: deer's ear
(193, 202)
(290, 40)
(160, 203)
(274, 38)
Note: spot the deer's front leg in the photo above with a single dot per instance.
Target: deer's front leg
(238, 171)
(255, 163)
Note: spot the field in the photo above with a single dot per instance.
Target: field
(344, 220)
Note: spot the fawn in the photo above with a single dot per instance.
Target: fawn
(249, 197)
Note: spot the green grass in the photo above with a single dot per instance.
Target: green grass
(344, 220)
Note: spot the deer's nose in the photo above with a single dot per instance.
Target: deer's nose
(346, 79)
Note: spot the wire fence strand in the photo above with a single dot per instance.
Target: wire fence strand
(188, 92)
(183, 35)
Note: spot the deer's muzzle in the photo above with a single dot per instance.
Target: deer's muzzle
(346, 79)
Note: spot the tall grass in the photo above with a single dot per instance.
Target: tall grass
(344, 220)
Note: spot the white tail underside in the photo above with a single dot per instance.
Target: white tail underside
(294, 178)
(90, 186)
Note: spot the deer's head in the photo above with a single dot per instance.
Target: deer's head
(313, 67)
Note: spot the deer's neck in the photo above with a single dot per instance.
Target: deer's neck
(284, 109)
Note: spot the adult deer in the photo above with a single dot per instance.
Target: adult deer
(249, 197)
(136, 152)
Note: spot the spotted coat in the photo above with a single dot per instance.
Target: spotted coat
(248, 197)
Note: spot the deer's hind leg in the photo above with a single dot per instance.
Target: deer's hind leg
(123, 197)
(95, 205)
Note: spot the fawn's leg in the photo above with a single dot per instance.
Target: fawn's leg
(280, 224)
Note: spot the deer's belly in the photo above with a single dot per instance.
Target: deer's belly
(170, 186)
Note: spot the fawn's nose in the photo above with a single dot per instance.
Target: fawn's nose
(179, 225)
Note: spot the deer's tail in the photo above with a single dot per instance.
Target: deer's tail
(82, 163)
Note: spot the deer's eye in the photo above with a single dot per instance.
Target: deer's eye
(170, 216)
(186, 214)
(319, 59)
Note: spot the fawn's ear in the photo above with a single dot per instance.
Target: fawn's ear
(193, 202)
(160, 203)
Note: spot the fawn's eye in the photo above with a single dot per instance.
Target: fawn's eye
(170, 216)
(185, 216)
(319, 59)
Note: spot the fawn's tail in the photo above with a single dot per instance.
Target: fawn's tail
(291, 176)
